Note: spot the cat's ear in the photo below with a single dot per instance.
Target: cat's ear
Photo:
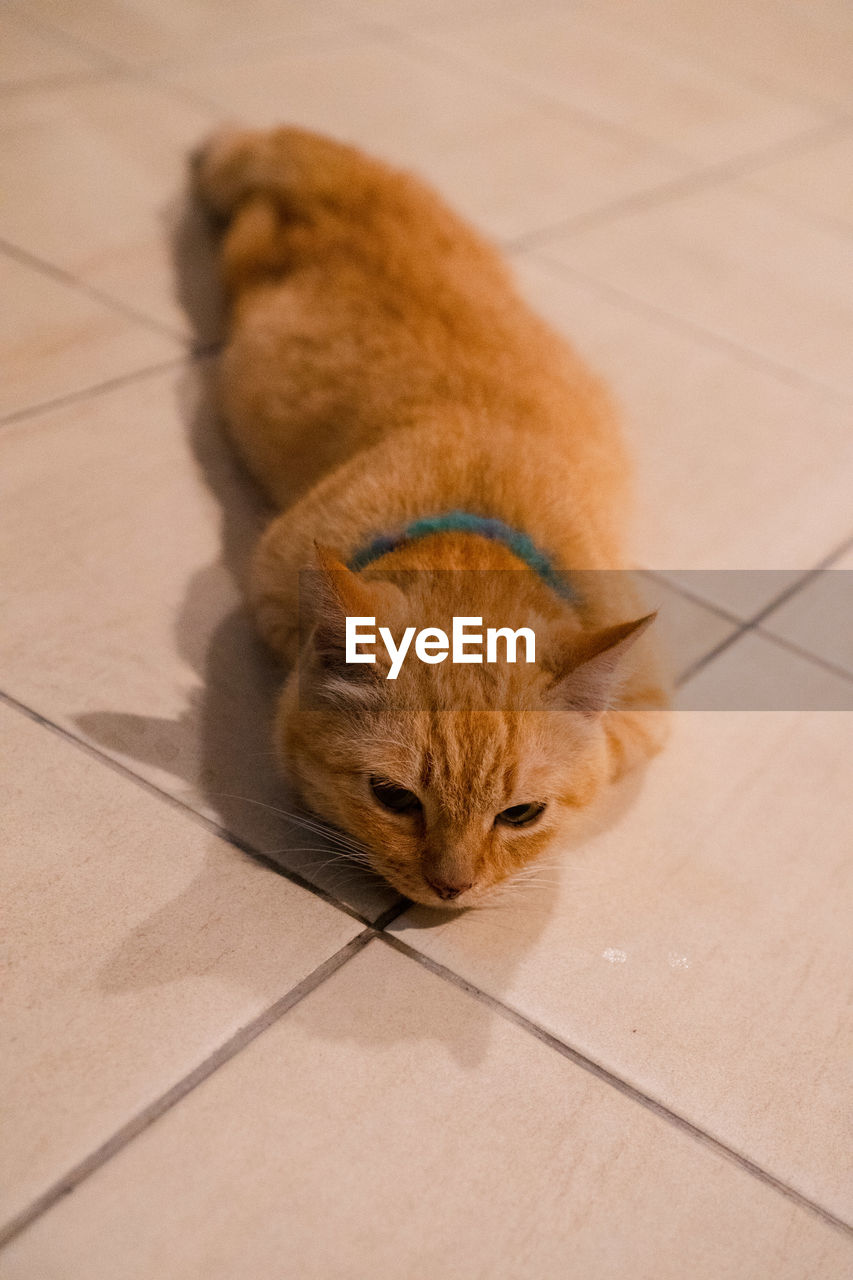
(590, 669)
(340, 593)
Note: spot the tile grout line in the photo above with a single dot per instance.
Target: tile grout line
(718, 65)
(754, 623)
(238, 55)
(614, 1081)
(154, 72)
(62, 276)
(783, 643)
(833, 113)
(148, 1115)
(101, 388)
(60, 80)
(419, 46)
(688, 328)
(215, 828)
(697, 180)
(76, 44)
(674, 584)
(391, 914)
(814, 219)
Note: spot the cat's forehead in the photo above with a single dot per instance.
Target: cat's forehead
(465, 761)
(470, 759)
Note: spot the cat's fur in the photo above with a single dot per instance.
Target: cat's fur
(380, 367)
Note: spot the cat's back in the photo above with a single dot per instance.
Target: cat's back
(361, 304)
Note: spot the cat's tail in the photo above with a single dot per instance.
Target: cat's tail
(284, 193)
(288, 195)
(295, 167)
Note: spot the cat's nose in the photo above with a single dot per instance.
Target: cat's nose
(447, 891)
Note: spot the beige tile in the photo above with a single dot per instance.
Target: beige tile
(819, 618)
(759, 674)
(687, 630)
(122, 618)
(600, 70)
(416, 15)
(504, 159)
(742, 593)
(831, 13)
(389, 1125)
(738, 469)
(29, 53)
(818, 181)
(801, 49)
(697, 945)
(93, 178)
(136, 944)
(140, 32)
(55, 340)
(738, 266)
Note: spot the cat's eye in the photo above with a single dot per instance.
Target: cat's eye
(521, 815)
(391, 796)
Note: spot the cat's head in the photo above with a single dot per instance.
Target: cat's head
(452, 777)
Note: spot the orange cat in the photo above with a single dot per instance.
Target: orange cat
(401, 404)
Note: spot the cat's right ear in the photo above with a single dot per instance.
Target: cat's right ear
(592, 667)
(338, 593)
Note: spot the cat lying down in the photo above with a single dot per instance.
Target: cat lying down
(436, 452)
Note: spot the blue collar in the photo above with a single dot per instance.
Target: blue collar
(465, 522)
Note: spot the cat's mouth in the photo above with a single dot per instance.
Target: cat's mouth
(456, 902)
(440, 896)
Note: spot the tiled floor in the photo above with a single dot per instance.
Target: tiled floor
(226, 1054)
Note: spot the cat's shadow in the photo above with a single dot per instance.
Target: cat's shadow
(216, 756)
(219, 750)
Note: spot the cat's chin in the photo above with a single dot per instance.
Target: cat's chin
(465, 902)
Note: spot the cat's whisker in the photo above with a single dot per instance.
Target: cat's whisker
(332, 834)
(333, 857)
(351, 853)
(300, 819)
(339, 866)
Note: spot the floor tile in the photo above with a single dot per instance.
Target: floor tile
(117, 151)
(389, 1125)
(801, 49)
(505, 160)
(725, 449)
(28, 53)
(687, 629)
(835, 14)
(695, 943)
(128, 629)
(140, 32)
(593, 66)
(736, 265)
(817, 180)
(760, 674)
(55, 340)
(418, 15)
(819, 618)
(136, 944)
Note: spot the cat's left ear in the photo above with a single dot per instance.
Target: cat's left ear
(591, 668)
(340, 593)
